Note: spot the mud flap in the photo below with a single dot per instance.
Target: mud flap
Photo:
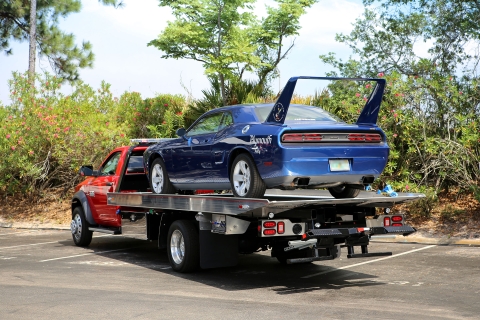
(217, 250)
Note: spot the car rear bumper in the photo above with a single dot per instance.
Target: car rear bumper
(317, 171)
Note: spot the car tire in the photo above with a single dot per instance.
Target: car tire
(159, 180)
(342, 192)
(183, 247)
(245, 179)
(79, 228)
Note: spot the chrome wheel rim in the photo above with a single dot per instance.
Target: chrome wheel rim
(241, 178)
(76, 227)
(177, 246)
(157, 178)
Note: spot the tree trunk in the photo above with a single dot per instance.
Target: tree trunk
(222, 88)
(33, 36)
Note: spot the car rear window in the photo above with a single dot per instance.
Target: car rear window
(135, 164)
(299, 113)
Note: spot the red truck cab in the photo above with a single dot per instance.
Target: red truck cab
(121, 171)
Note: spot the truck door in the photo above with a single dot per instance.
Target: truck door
(98, 188)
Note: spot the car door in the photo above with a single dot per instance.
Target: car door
(193, 160)
(221, 148)
(105, 182)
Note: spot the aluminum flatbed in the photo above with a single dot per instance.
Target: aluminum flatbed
(275, 201)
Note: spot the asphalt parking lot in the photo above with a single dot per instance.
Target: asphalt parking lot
(43, 275)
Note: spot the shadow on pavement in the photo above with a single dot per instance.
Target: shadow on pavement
(253, 271)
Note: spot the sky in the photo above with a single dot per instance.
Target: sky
(122, 58)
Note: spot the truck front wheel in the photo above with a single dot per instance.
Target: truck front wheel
(183, 246)
(79, 227)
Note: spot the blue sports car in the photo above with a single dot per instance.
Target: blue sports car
(248, 148)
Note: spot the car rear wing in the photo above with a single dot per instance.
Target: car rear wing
(368, 115)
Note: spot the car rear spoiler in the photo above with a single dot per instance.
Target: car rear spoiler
(368, 115)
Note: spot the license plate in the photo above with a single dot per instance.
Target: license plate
(339, 165)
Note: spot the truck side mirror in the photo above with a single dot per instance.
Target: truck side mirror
(180, 132)
(87, 171)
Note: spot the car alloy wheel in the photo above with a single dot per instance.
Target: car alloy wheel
(157, 178)
(241, 178)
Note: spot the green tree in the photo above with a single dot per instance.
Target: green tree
(58, 47)
(432, 97)
(228, 38)
(451, 25)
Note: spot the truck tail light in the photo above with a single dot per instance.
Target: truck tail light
(397, 218)
(397, 224)
(386, 221)
(269, 232)
(269, 224)
(281, 227)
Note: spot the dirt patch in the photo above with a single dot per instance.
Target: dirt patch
(51, 208)
(453, 215)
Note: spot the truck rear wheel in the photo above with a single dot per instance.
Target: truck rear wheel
(79, 227)
(183, 246)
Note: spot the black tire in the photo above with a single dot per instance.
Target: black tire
(162, 184)
(248, 183)
(342, 192)
(187, 260)
(79, 227)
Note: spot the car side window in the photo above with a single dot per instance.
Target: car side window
(110, 166)
(208, 124)
(226, 120)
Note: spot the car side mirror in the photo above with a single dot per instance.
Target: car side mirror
(181, 132)
(87, 171)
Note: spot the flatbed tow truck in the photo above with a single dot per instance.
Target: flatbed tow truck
(211, 230)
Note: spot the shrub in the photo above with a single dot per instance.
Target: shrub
(45, 135)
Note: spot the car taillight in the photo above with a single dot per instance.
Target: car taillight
(301, 137)
(281, 227)
(397, 225)
(397, 218)
(292, 137)
(386, 221)
(269, 232)
(269, 224)
(368, 137)
(312, 137)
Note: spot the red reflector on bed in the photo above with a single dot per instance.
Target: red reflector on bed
(269, 224)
